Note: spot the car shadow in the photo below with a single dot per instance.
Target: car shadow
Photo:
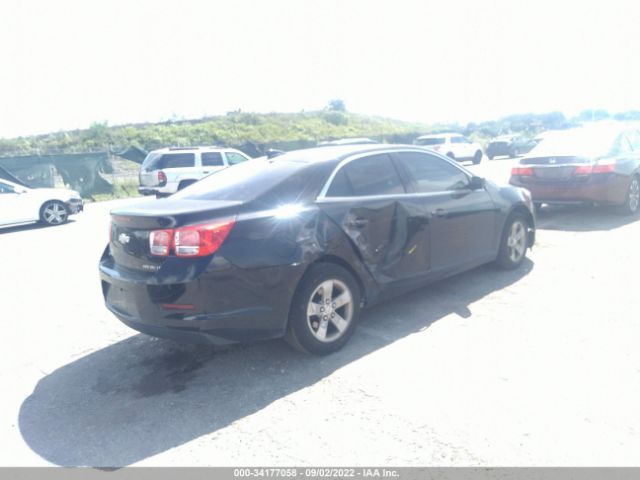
(22, 227)
(142, 396)
(581, 218)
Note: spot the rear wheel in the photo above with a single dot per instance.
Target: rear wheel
(477, 157)
(324, 311)
(632, 200)
(513, 246)
(451, 155)
(54, 213)
(490, 156)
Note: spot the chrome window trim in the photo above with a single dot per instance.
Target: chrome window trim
(323, 198)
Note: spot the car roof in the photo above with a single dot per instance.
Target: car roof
(347, 141)
(13, 184)
(191, 149)
(340, 152)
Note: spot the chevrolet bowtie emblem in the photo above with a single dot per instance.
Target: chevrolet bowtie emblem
(123, 238)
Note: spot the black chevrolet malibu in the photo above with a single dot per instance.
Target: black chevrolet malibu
(297, 245)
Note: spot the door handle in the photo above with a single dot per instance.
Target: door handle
(206, 171)
(439, 212)
(358, 223)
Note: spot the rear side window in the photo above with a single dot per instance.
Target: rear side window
(211, 159)
(459, 140)
(155, 161)
(431, 174)
(234, 158)
(374, 175)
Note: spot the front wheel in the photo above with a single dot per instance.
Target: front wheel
(514, 242)
(632, 200)
(477, 157)
(324, 311)
(54, 213)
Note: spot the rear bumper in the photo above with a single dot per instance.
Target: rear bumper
(224, 307)
(606, 190)
(155, 191)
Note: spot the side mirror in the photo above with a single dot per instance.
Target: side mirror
(477, 183)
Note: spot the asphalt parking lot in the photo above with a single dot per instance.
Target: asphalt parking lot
(538, 366)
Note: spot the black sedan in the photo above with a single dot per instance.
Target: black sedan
(297, 245)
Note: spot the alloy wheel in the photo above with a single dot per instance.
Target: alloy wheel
(55, 214)
(517, 241)
(330, 310)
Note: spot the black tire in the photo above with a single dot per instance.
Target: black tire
(631, 203)
(491, 157)
(185, 183)
(54, 213)
(477, 157)
(537, 206)
(505, 259)
(303, 329)
(451, 155)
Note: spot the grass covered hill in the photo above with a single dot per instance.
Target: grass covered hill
(252, 131)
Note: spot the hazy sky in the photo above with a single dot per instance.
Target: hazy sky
(68, 63)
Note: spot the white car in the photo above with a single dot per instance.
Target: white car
(168, 170)
(453, 145)
(51, 206)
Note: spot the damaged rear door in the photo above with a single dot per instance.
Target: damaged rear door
(367, 199)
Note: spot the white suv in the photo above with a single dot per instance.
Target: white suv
(168, 170)
(453, 145)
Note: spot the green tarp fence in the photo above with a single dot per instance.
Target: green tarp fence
(79, 171)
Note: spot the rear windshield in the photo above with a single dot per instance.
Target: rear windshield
(429, 141)
(160, 161)
(242, 182)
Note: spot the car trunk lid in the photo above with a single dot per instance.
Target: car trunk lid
(132, 226)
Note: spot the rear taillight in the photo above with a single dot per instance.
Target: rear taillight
(583, 170)
(605, 167)
(162, 178)
(191, 241)
(160, 242)
(522, 171)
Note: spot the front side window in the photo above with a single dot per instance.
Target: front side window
(374, 175)
(432, 174)
(234, 158)
(211, 159)
(459, 140)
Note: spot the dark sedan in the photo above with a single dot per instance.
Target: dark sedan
(510, 146)
(296, 246)
(595, 165)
